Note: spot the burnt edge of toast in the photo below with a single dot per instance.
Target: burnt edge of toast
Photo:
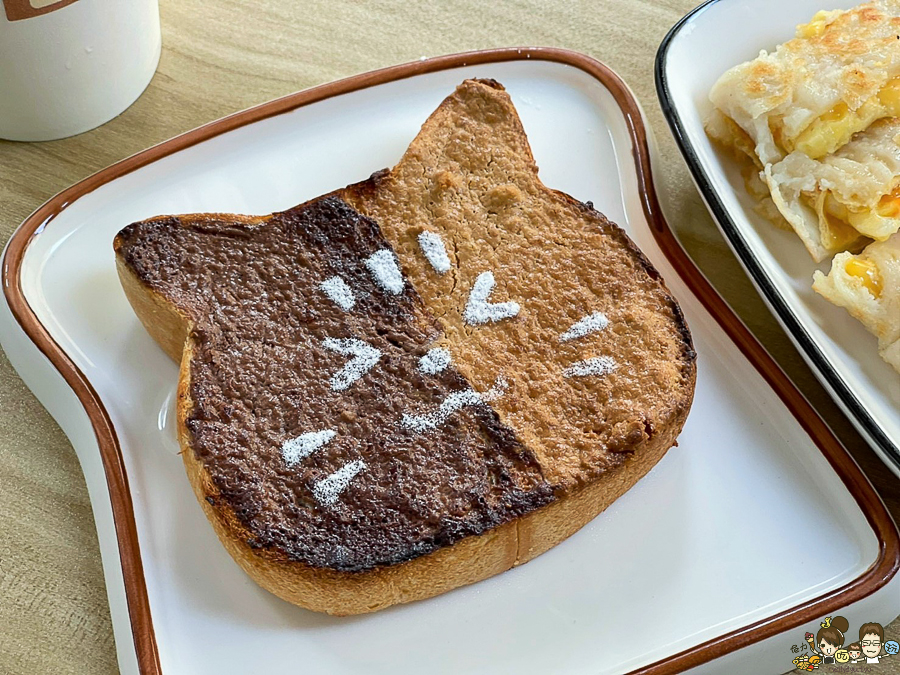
(324, 537)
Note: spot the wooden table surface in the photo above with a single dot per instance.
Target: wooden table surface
(220, 56)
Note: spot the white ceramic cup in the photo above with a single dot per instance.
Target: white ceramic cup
(67, 66)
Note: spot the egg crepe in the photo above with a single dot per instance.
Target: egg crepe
(832, 202)
(868, 287)
(838, 75)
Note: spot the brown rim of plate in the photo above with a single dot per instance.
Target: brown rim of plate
(875, 577)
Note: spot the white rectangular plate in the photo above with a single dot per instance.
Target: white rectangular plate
(699, 559)
(843, 355)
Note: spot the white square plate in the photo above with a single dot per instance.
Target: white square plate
(698, 560)
(842, 354)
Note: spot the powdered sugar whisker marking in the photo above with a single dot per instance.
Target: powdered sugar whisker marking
(383, 268)
(455, 401)
(599, 365)
(433, 247)
(592, 323)
(364, 357)
(327, 490)
(434, 361)
(295, 449)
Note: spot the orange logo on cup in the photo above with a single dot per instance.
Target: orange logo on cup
(16, 10)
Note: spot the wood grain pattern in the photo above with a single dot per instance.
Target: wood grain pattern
(219, 57)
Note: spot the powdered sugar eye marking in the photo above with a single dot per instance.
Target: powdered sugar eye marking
(295, 449)
(364, 357)
(455, 401)
(434, 361)
(599, 365)
(383, 268)
(479, 311)
(592, 323)
(338, 292)
(327, 490)
(433, 247)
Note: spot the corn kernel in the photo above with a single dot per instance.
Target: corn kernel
(889, 206)
(868, 272)
(835, 128)
(889, 97)
(815, 27)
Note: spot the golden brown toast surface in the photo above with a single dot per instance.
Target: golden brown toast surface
(470, 178)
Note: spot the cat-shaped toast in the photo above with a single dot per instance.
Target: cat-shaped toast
(418, 381)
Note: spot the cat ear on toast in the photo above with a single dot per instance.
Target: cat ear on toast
(447, 147)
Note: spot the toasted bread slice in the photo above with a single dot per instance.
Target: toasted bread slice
(418, 381)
